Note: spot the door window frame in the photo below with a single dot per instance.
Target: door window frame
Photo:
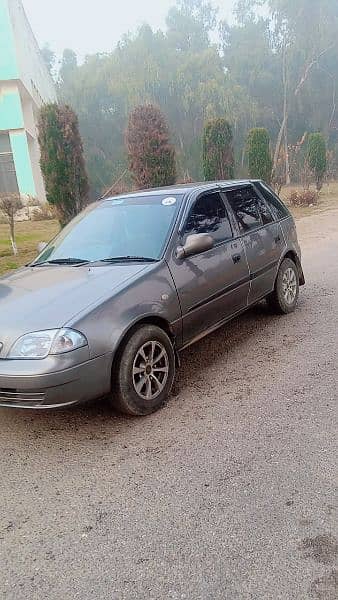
(191, 204)
(271, 207)
(242, 234)
(263, 200)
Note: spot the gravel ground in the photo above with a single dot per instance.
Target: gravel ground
(228, 493)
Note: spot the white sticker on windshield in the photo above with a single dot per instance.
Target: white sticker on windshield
(169, 201)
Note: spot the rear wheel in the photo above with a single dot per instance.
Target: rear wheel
(284, 298)
(145, 372)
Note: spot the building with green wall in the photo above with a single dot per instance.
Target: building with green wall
(25, 84)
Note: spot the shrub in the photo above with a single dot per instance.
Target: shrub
(62, 161)
(152, 160)
(43, 212)
(218, 154)
(316, 158)
(303, 198)
(31, 201)
(259, 155)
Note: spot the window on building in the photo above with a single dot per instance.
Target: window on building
(8, 180)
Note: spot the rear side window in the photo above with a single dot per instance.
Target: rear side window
(244, 203)
(273, 201)
(209, 215)
(265, 212)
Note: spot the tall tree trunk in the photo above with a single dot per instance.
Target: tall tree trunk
(243, 157)
(283, 127)
(287, 161)
(12, 235)
(278, 147)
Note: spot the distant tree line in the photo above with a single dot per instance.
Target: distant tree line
(152, 159)
(274, 74)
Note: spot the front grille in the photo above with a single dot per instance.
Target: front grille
(12, 397)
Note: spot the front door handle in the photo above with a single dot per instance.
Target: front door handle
(236, 258)
(277, 239)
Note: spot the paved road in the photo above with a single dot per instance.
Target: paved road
(227, 493)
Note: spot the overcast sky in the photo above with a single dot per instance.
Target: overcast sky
(89, 26)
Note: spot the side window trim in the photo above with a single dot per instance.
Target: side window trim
(265, 202)
(192, 203)
(236, 232)
(273, 210)
(238, 188)
(261, 196)
(191, 199)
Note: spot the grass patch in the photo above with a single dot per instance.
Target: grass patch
(328, 200)
(28, 235)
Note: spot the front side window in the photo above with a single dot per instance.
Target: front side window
(245, 206)
(273, 201)
(119, 227)
(209, 215)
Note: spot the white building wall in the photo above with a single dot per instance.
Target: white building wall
(34, 87)
(32, 69)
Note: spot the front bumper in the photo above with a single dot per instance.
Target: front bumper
(22, 387)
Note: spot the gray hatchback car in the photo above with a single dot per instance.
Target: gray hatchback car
(108, 304)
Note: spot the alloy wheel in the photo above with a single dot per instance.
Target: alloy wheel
(150, 370)
(289, 286)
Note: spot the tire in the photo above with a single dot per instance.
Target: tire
(141, 385)
(284, 298)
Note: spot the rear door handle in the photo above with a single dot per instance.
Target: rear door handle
(236, 258)
(277, 239)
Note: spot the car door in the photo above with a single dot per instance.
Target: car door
(212, 285)
(262, 238)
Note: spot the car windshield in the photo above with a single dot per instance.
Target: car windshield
(130, 228)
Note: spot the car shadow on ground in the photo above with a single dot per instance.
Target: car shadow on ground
(196, 360)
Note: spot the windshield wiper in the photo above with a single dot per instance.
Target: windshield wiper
(113, 259)
(61, 261)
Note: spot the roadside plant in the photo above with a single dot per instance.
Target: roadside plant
(62, 162)
(218, 153)
(152, 159)
(43, 212)
(259, 155)
(316, 158)
(303, 198)
(10, 204)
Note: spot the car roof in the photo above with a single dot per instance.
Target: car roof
(185, 188)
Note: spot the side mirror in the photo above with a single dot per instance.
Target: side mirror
(195, 244)
(41, 246)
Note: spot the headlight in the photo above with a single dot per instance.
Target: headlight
(42, 343)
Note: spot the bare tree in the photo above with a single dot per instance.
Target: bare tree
(306, 49)
(10, 204)
(283, 126)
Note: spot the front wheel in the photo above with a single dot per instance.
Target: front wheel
(284, 298)
(145, 372)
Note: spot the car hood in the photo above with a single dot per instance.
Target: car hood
(38, 298)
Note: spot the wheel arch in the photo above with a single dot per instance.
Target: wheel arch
(292, 255)
(156, 320)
